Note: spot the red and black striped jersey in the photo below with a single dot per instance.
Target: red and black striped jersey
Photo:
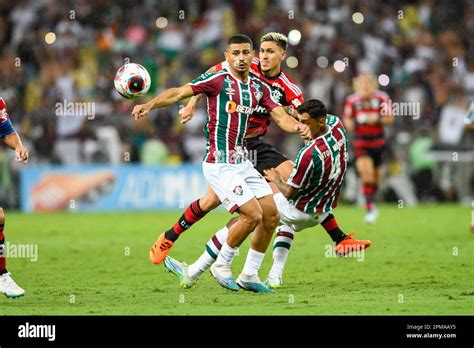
(360, 109)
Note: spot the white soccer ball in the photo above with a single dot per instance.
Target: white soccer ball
(132, 81)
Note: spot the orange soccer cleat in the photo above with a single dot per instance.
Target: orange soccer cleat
(349, 244)
(160, 249)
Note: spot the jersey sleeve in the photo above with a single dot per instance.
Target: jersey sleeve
(209, 84)
(294, 95)
(303, 167)
(6, 126)
(222, 65)
(267, 101)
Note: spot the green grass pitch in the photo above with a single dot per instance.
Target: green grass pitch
(421, 263)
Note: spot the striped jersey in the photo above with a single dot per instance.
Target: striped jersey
(6, 127)
(230, 102)
(319, 170)
(284, 91)
(359, 108)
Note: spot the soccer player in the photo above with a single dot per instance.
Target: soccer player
(268, 68)
(11, 138)
(307, 198)
(366, 112)
(232, 96)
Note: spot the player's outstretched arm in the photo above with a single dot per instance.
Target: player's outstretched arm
(289, 124)
(167, 98)
(13, 141)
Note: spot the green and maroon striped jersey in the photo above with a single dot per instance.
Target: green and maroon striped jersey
(230, 102)
(319, 170)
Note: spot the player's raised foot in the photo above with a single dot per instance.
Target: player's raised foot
(252, 283)
(9, 287)
(160, 249)
(350, 244)
(371, 216)
(179, 269)
(274, 282)
(223, 275)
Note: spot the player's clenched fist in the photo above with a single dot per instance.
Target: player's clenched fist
(140, 111)
(21, 154)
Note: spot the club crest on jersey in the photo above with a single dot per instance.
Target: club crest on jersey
(231, 106)
(238, 190)
(258, 95)
(276, 94)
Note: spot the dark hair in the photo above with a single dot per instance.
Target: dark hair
(239, 39)
(315, 108)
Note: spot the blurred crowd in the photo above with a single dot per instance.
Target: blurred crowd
(426, 48)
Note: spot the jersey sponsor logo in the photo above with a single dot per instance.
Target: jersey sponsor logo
(229, 91)
(260, 109)
(231, 106)
(277, 85)
(296, 102)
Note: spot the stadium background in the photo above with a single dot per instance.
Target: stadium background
(425, 48)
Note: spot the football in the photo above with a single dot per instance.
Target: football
(132, 81)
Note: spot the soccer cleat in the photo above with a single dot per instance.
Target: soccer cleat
(252, 283)
(224, 277)
(274, 282)
(9, 287)
(179, 269)
(160, 249)
(371, 216)
(349, 244)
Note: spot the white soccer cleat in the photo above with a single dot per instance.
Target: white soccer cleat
(252, 283)
(9, 287)
(223, 275)
(371, 216)
(274, 282)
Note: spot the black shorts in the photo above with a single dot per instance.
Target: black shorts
(263, 155)
(376, 153)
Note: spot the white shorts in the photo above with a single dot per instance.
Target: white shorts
(235, 184)
(295, 218)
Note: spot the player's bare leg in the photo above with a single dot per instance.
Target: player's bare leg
(250, 216)
(248, 278)
(192, 214)
(7, 284)
(367, 172)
